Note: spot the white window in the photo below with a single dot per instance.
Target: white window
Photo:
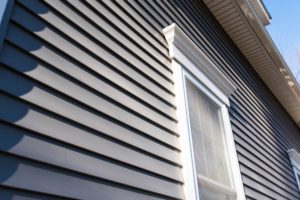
(295, 161)
(210, 164)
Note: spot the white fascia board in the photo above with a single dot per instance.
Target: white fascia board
(178, 40)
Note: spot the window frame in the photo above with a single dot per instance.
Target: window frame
(188, 61)
(295, 162)
(297, 175)
(223, 115)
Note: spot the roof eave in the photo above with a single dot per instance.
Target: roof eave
(270, 65)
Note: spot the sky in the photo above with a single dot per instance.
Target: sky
(2, 7)
(285, 30)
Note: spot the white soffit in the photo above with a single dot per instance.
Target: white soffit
(241, 22)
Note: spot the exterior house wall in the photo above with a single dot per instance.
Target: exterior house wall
(88, 107)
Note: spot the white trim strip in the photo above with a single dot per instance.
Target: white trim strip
(233, 158)
(201, 76)
(297, 175)
(187, 154)
(176, 37)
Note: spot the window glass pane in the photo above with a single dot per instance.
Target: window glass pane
(208, 138)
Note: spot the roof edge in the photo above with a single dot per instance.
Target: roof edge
(242, 24)
(270, 46)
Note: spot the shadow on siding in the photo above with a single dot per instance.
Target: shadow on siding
(12, 110)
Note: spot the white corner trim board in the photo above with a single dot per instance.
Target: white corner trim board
(190, 63)
(180, 44)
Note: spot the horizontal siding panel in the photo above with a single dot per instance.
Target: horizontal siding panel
(149, 11)
(114, 52)
(86, 95)
(98, 14)
(137, 7)
(59, 62)
(13, 193)
(252, 194)
(264, 135)
(259, 143)
(263, 189)
(55, 102)
(264, 121)
(275, 159)
(156, 7)
(134, 18)
(114, 14)
(266, 131)
(72, 159)
(264, 173)
(88, 51)
(113, 39)
(61, 131)
(32, 176)
(156, 166)
(65, 131)
(260, 160)
(271, 186)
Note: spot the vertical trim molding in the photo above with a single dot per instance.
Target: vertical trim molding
(294, 158)
(6, 7)
(188, 169)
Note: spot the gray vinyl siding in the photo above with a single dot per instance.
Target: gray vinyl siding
(87, 111)
(88, 105)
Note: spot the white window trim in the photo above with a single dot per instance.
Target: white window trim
(295, 161)
(189, 62)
